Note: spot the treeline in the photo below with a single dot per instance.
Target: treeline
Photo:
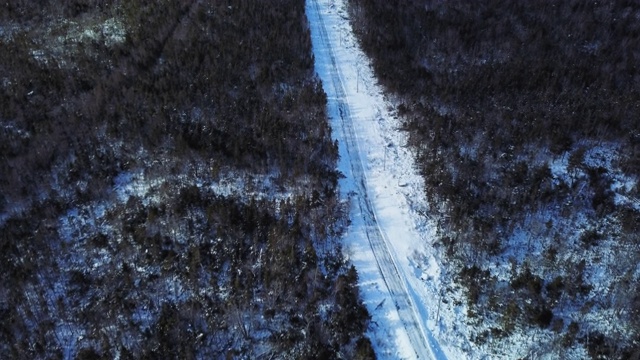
(168, 99)
(491, 95)
(174, 85)
(25, 12)
(197, 275)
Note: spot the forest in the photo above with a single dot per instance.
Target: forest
(523, 117)
(168, 185)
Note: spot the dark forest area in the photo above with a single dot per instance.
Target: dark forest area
(168, 185)
(524, 120)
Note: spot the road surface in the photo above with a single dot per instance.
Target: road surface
(419, 337)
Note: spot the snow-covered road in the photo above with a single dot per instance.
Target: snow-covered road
(397, 308)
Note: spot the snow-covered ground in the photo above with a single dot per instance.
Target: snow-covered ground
(380, 174)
